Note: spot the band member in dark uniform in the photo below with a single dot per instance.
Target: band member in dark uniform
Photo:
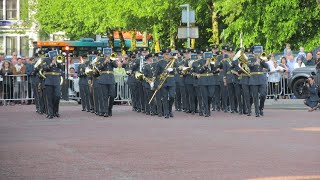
(165, 70)
(83, 85)
(107, 82)
(53, 72)
(258, 82)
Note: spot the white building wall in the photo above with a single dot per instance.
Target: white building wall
(10, 39)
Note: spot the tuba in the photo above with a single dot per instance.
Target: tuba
(243, 62)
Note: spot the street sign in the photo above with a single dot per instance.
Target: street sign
(192, 16)
(183, 34)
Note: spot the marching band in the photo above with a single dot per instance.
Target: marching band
(194, 81)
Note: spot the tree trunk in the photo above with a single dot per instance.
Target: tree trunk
(215, 28)
(111, 39)
(133, 40)
(122, 43)
(156, 38)
(193, 43)
(172, 41)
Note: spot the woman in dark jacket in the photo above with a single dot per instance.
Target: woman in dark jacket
(313, 99)
(5, 72)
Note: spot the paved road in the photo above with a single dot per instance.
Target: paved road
(283, 143)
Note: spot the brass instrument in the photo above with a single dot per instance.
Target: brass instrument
(163, 78)
(138, 75)
(243, 62)
(264, 56)
(38, 63)
(88, 71)
(113, 56)
(94, 67)
(41, 73)
(213, 61)
(61, 80)
(60, 59)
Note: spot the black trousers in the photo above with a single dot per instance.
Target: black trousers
(181, 97)
(168, 94)
(232, 100)
(108, 94)
(259, 91)
(97, 98)
(191, 106)
(238, 96)
(207, 93)
(53, 94)
(216, 102)
(246, 97)
(224, 96)
(84, 95)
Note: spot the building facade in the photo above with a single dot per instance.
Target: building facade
(16, 31)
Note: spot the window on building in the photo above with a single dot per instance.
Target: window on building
(11, 44)
(1, 44)
(1, 9)
(24, 46)
(11, 9)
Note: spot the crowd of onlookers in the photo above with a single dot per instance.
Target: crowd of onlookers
(280, 69)
(19, 85)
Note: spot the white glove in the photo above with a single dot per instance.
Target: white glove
(151, 84)
(185, 68)
(169, 69)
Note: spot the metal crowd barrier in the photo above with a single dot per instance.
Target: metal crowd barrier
(19, 88)
(122, 89)
(16, 89)
(280, 89)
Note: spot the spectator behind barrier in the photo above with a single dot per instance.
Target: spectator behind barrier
(283, 63)
(14, 59)
(290, 61)
(309, 61)
(299, 63)
(19, 81)
(313, 99)
(288, 47)
(29, 69)
(274, 79)
(119, 71)
(72, 73)
(7, 87)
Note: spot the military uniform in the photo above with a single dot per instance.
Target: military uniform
(237, 87)
(107, 82)
(258, 84)
(189, 84)
(53, 73)
(180, 100)
(244, 82)
(84, 88)
(148, 84)
(204, 70)
(138, 88)
(218, 79)
(228, 76)
(167, 90)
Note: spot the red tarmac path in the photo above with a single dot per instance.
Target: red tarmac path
(80, 145)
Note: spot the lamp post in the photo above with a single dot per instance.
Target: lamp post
(66, 77)
(188, 22)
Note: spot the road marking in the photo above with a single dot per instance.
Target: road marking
(288, 178)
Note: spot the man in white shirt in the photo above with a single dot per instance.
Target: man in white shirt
(274, 79)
